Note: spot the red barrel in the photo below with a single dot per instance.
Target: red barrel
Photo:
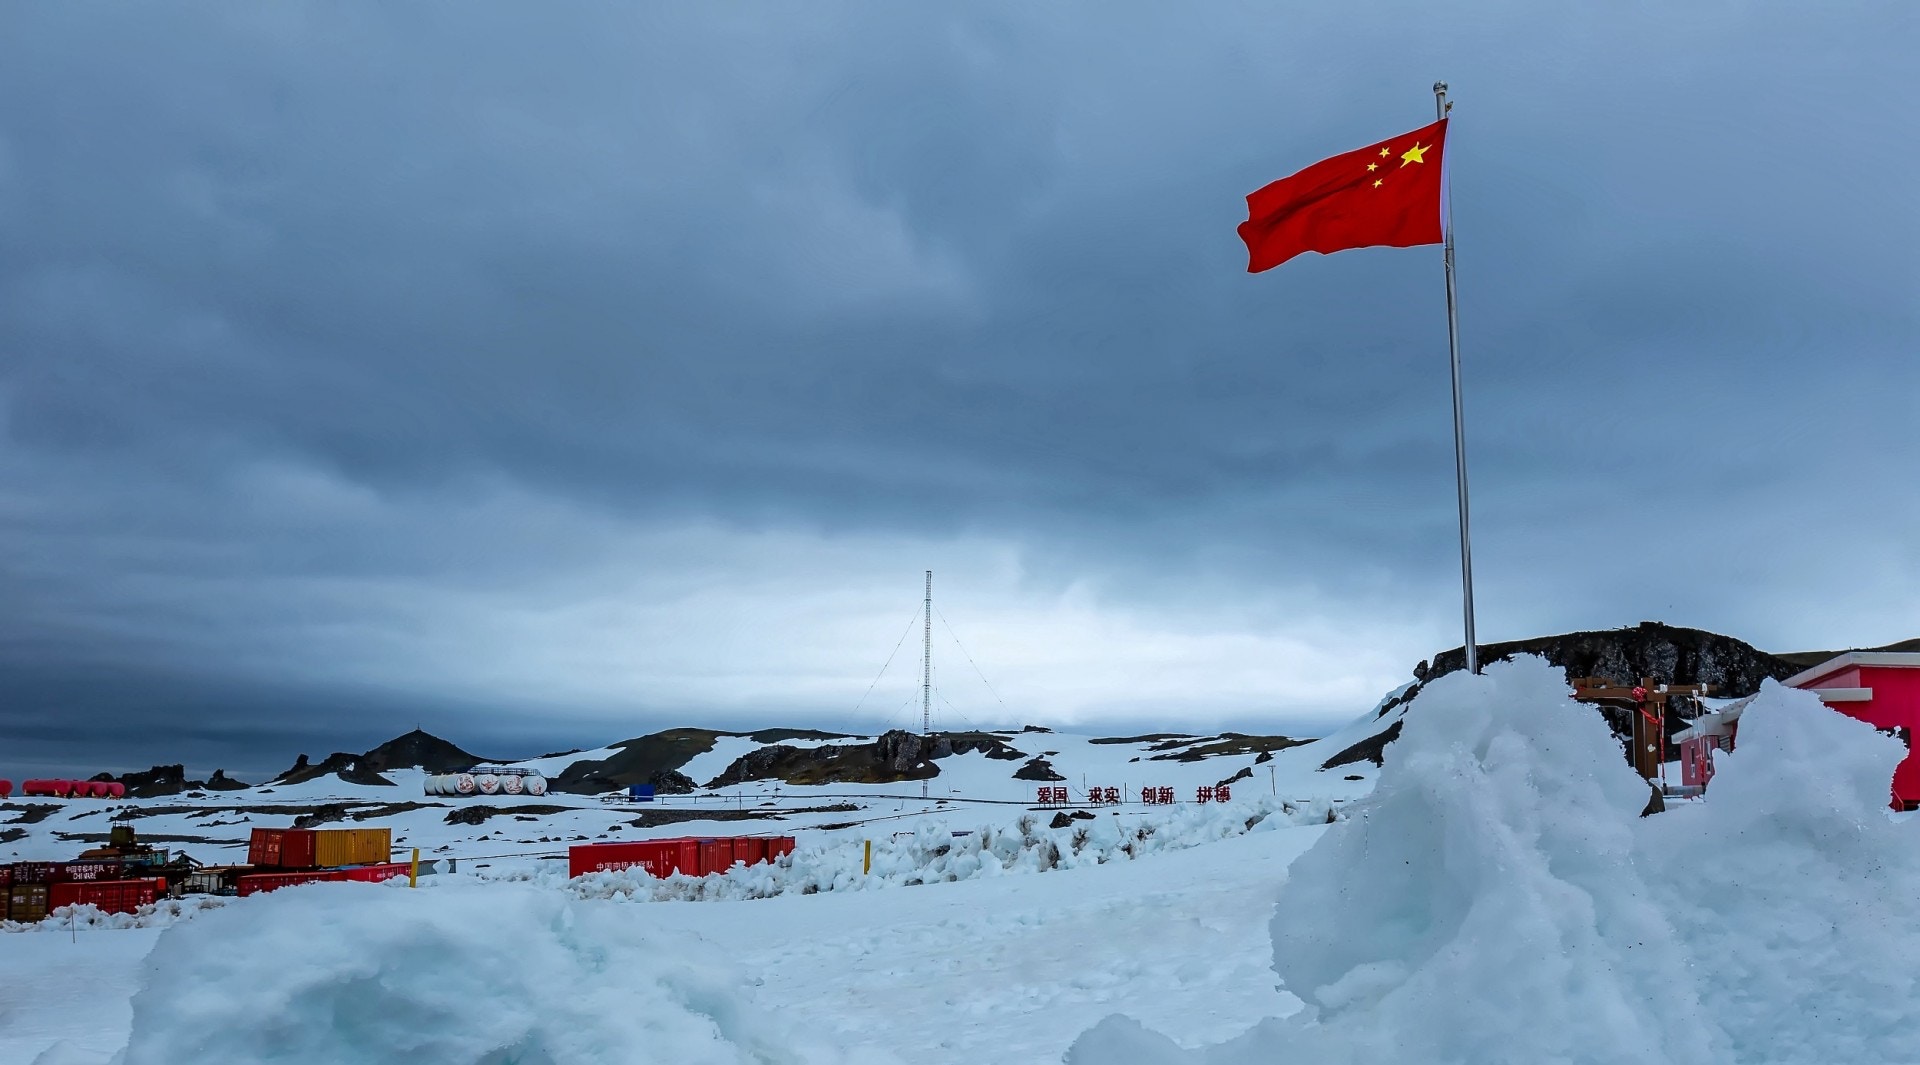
(116, 790)
(6, 788)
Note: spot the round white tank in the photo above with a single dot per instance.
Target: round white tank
(463, 784)
(512, 785)
(431, 785)
(487, 783)
(536, 785)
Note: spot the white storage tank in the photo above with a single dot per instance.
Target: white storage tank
(487, 783)
(512, 784)
(536, 785)
(463, 784)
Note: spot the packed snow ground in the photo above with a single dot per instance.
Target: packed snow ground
(1497, 899)
(534, 832)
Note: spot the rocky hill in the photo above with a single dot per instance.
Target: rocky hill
(415, 750)
(1667, 653)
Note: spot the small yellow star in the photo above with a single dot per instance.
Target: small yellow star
(1376, 183)
(1413, 154)
(1383, 153)
(1373, 166)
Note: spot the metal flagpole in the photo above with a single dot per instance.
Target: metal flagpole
(1441, 107)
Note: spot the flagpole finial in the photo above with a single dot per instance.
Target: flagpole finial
(1441, 105)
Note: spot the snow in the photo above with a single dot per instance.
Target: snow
(1499, 899)
(469, 974)
(1495, 898)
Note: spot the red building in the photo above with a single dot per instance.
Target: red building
(1878, 687)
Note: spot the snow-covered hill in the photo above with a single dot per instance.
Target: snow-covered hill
(1001, 775)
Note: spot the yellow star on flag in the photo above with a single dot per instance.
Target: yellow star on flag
(1373, 166)
(1413, 154)
(1376, 183)
(1383, 153)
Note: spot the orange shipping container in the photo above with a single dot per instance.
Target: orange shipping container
(335, 847)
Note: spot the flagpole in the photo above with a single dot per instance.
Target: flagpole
(1441, 107)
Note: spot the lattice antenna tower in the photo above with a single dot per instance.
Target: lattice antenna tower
(926, 672)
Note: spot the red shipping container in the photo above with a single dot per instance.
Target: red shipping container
(92, 869)
(111, 896)
(750, 849)
(716, 856)
(375, 874)
(255, 883)
(779, 847)
(35, 872)
(281, 848)
(653, 855)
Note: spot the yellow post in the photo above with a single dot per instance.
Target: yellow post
(413, 872)
(867, 867)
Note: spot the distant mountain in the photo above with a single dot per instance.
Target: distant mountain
(1809, 659)
(415, 750)
(656, 759)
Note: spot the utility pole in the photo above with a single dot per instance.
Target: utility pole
(926, 677)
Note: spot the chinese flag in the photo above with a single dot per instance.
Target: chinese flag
(1383, 194)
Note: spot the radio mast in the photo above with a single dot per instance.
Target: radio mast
(926, 674)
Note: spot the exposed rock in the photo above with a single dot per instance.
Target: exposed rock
(1667, 653)
(654, 759)
(1229, 743)
(1372, 749)
(1066, 818)
(1245, 773)
(348, 767)
(220, 781)
(895, 756)
(478, 813)
(419, 750)
(160, 780)
(1037, 769)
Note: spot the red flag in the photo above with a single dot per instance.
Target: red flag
(1383, 194)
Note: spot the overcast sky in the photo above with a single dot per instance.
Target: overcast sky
(545, 374)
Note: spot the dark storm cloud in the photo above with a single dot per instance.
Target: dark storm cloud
(288, 293)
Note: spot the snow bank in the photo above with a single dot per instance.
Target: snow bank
(90, 918)
(935, 854)
(1500, 900)
(466, 975)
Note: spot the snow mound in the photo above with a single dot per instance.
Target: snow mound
(936, 855)
(495, 975)
(90, 918)
(1499, 899)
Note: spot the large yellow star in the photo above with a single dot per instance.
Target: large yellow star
(1413, 154)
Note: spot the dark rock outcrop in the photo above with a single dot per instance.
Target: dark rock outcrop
(348, 767)
(1372, 749)
(220, 781)
(419, 750)
(1667, 653)
(654, 759)
(415, 750)
(1037, 769)
(160, 780)
(893, 757)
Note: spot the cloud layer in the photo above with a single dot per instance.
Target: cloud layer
(569, 372)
